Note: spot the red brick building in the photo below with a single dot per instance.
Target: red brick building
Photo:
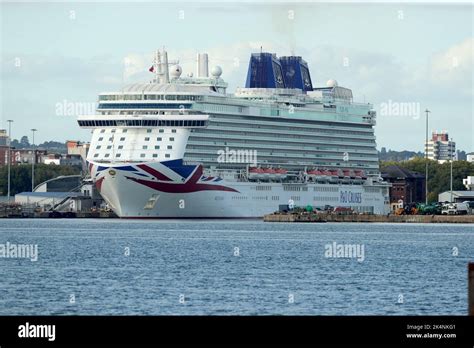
(407, 186)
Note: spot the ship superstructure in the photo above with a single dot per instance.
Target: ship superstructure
(184, 147)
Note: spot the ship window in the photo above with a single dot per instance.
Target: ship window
(109, 147)
(159, 139)
(120, 147)
(161, 130)
(97, 147)
(96, 155)
(173, 131)
(100, 139)
(111, 138)
(167, 155)
(148, 130)
(118, 155)
(107, 155)
(157, 147)
(142, 155)
(147, 139)
(113, 131)
(169, 147)
(124, 130)
(145, 147)
(171, 139)
(170, 97)
(122, 139)
(102, 130)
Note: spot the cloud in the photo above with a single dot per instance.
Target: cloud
(452, 68)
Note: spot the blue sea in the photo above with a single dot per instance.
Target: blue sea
(234, 267)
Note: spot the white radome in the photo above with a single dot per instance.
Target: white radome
(216, 71)
(176, 71)
(331, 83)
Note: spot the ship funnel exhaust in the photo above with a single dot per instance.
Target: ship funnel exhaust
(166, 73)
(202, 65)
(160, 66)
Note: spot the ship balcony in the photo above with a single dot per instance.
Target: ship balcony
(142, 121)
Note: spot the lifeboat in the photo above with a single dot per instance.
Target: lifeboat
(256, 173)
(281, 173)
(346, 174)
(270, 174)
(313, 174)
(334, 175)
(360, 174)
(325, 174)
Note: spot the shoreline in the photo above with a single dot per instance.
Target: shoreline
(366, 218)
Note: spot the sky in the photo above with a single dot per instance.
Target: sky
(403, 58)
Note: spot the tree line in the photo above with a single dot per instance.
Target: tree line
(438, 174)
(21, 176)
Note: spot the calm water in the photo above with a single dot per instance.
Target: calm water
(277, 268)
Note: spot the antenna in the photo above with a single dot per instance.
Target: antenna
(162, 66)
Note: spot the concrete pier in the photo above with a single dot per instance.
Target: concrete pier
(289, 217)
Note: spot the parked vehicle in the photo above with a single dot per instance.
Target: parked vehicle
(470, 206)
(429, 209)
(455, 209)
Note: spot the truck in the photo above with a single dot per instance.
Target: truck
(455, 209)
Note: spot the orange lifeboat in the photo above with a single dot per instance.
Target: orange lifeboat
(334, 174)
(281, 173)
(314, 174)
(271, 173)
(256, 173)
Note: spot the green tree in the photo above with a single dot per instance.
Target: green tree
(21, 176)
(439, 174)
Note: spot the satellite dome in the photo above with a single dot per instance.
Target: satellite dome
(216, 71)
(175, 71)
(331, 83)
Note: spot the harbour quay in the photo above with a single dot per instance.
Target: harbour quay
(364, 218)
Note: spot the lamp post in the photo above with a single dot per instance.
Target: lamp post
(426, 158)
(33, 130)
(9, 156)
(451, 171)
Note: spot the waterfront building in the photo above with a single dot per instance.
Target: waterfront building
(440, 148)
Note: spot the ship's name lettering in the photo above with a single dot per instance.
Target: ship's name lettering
(350, 197)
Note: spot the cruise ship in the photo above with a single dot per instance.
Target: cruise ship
(180, 146)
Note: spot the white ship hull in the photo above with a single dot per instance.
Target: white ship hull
(135, 193)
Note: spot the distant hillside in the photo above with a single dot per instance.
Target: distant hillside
(51, 146)
(398, 156)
